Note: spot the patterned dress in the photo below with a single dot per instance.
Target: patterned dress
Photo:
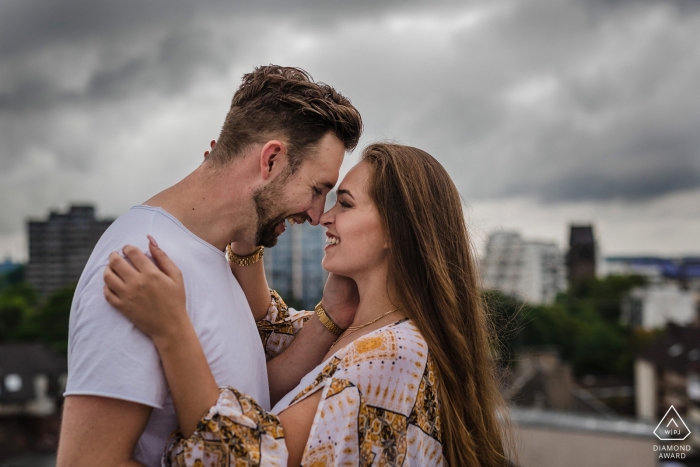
(378, 406)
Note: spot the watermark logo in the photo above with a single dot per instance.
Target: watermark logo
(672, 427)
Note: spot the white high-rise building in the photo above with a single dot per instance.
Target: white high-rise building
(655, 305)
(533, 271)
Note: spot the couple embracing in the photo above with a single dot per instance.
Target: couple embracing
(180, 354)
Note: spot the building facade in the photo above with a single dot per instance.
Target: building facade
(293, 266)
(581, 257)
(667, 373)
(532, 271)
(656, 305)
(684, 271)
(60, 246)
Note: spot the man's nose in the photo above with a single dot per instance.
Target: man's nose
(314, 213)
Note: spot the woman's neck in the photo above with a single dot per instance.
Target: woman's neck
(375, 301)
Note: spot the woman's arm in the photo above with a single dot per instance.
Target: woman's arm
(155, 302)
(252, 280)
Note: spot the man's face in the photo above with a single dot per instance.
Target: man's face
(301, 196)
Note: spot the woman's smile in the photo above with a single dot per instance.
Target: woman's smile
(331, 240)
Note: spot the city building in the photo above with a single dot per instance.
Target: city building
(32, 381)
(293, 266)
(581, 257)
(8, 266)
(541, 380)
(60, 246)
(532, 271)
(658, 304)
(685, 271)
(668, 373)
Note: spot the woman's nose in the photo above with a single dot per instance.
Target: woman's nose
(326, 217)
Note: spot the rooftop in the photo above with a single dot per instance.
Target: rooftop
(550, 419)
(678, 349)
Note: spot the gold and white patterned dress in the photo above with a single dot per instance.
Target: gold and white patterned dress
(378, 406)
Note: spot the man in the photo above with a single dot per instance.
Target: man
(277, 156)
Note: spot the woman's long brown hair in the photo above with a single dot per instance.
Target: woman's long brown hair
(432, 273)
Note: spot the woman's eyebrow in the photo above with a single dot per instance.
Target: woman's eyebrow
(345, 192)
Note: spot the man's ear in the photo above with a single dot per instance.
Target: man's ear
(273, 156)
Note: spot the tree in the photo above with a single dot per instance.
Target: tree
(583, 323)
(16, 302)
(49, 323)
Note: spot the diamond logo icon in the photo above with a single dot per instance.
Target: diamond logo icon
(672, 427)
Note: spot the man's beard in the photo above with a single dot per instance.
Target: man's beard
(265, 198)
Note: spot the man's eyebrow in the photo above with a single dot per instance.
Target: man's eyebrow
(328, 185)
(345, 192)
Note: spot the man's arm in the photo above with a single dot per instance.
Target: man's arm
(100, 431)
(252, 280)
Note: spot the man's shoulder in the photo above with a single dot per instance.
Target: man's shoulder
(137, 221)
(129, 228)
(132, 227)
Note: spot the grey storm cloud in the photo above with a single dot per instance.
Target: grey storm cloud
(561, 101)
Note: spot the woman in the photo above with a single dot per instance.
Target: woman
(411, 382)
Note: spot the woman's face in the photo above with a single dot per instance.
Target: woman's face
(356, 241)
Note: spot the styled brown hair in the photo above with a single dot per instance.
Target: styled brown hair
(432, 273)
(275, 100)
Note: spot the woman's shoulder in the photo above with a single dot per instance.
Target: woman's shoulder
(387, 366)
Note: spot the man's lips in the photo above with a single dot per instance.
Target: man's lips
(296, 219)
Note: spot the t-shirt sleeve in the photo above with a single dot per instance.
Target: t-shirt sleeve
(107, 355)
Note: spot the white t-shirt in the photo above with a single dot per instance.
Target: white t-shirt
(108, 356)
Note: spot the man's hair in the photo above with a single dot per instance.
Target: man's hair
(275, 101)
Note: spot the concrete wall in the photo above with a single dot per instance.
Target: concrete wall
(540, 447)
(645, 389)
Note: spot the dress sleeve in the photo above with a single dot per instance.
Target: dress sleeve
(236, 431)
(279, 326)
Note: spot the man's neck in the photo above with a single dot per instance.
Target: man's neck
(208, 204)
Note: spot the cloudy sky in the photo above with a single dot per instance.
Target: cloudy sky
(545, 112)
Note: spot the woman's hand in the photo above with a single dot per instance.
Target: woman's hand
(212, 144)
(340, 299)
(152, 296)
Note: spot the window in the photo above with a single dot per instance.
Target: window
(13, 382)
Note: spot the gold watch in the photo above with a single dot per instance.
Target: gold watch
(247, 260)
(327, 321)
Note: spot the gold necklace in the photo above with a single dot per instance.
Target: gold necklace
(357, 328)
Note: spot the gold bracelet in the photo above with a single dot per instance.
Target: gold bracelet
(247, 260)
(327, 321)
